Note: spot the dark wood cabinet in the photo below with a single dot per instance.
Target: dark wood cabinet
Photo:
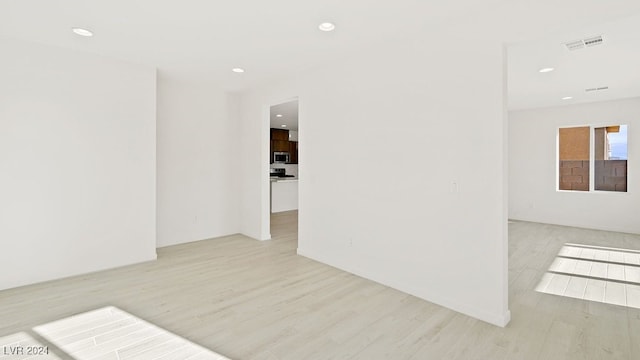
(280, 145)
(280, 142)
(279, 134)
(293, 152)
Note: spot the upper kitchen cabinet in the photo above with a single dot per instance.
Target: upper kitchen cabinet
(293, 152)
(279, 134)
(279, 140)
(280, 143)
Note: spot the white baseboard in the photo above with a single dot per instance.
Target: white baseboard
(500, 320)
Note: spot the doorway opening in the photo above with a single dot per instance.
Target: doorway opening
(283, 172)
(572, 108)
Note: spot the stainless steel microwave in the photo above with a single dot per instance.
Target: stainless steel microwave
(281, 157)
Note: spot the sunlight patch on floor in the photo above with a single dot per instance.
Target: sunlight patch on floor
(106, 334)
(605, 275)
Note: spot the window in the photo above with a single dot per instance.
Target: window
(587, 150)
(574, 144)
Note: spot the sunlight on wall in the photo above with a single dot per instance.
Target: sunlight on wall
(605, 275)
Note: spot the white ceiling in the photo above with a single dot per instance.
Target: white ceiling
(289, 112)
(201, 40)
(613, 64)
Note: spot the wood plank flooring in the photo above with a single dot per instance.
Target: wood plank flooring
(247, 299)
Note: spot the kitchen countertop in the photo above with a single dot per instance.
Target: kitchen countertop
(283, 179)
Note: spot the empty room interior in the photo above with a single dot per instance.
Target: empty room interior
(319, 179)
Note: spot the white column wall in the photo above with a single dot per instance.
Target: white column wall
(77, 163)
(384, 136)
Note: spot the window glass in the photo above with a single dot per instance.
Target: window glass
(610, 155)
(574, 158)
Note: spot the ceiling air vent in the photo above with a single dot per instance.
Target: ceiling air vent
(597, 89)
(575, 45)
(593, 41)
(583, 43)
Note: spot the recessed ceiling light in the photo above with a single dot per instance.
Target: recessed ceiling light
(567, 98)
(279, 115)
(546, 70)
(283, 125)
(327, 26)
(82, 32)
(237, 70)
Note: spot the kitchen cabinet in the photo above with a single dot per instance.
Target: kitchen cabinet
(293, 152)
(284, 195)
(280, 143)
(280, 134)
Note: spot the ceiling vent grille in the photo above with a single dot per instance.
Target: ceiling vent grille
(584, 43)
(575, 45)
(593, 41)
(597, 89)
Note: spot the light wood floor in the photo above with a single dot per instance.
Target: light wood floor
(258, 300)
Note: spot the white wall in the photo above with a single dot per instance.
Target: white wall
(77, 160)
(533, 163)
(254, 167)
(430, 115)
(293, 135)
(198, 162)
